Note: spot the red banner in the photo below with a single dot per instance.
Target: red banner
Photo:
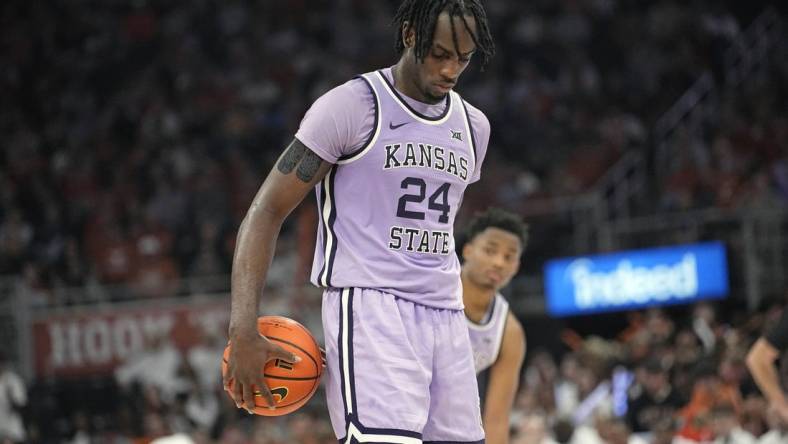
(90, 341)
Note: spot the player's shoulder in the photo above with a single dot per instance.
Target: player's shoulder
(513, 326)
(355, 90)
(513, 343)
(344, 107)
(477, 117)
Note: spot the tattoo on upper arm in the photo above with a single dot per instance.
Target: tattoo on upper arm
(298, 155)
(309, 166)
(294, 153)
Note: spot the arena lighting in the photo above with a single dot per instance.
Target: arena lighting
(635, 279)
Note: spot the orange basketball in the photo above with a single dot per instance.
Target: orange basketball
(291, 384)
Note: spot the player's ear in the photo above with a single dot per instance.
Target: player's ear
(408, 35)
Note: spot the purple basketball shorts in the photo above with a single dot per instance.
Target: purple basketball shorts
(397, 371)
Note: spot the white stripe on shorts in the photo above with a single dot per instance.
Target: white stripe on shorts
(346, 350)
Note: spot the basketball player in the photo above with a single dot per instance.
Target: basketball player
(761, 360)
(390, 153)
(495, 240)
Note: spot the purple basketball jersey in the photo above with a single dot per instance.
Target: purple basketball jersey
(387, 209)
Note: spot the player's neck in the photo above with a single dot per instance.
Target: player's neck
(476, 299)
(404, 83)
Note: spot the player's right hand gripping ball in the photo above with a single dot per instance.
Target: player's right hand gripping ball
(291, 384)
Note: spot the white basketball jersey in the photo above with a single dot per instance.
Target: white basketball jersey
(486, 338)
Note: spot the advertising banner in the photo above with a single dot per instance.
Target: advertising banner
(79, 342)
(636, 279)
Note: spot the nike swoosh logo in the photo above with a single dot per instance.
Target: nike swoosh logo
(281, 391)
(392, 126)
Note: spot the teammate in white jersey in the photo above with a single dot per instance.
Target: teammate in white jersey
(495, 241)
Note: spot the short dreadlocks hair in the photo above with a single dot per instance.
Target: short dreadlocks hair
(497, 218)
(421, 16)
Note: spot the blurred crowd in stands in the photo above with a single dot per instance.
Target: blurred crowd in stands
(135, 134)
(664, 379)
(739, 158)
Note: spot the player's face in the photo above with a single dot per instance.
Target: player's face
(444, 62)
(492, 258)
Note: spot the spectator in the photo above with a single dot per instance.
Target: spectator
(707, 393)
(563, 431)
(753, 418)
(778, 429)
(156, 369)
(616, 431)
(726, 426)
(567, 394)
(663, 431)
(13, 399)
(655, 400)
(15, 237)
(532, 429)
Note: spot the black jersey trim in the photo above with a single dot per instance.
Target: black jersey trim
(470, 128)
(375, 126)
(404, 103)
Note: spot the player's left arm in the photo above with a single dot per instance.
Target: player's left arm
(503, 382)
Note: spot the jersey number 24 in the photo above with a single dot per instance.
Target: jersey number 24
(438, 201)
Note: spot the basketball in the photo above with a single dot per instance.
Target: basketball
(291, 384)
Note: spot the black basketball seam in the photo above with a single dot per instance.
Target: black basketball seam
(318, 369)
(308, 395)
(308, 333)
(284, 378)
(296, 346)
(294, 323)
(290, 323)
(288, 378)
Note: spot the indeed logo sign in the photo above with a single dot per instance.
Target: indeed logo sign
(629, 284)
(635, 279)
